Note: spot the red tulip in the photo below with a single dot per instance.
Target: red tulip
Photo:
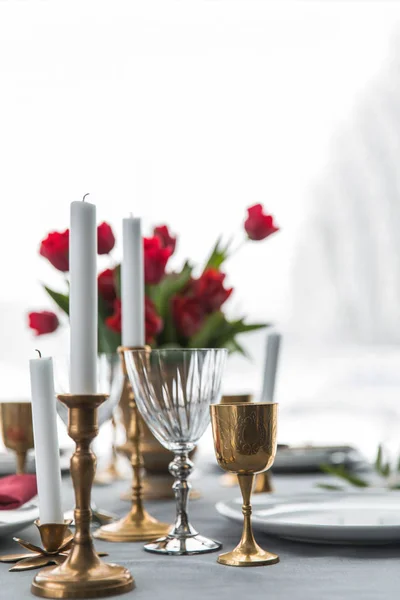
(155, 260)
(188, 315)
(43, 322)
(105, 238)
(259, 225)
(106, 284)
(166, 239)
(114, 321)
(56, 249)
(209, 290)
(153, 321)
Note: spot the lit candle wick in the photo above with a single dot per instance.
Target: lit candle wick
(83, 199)
(38, 351)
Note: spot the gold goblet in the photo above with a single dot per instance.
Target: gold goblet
(17, 430)
(245, 444)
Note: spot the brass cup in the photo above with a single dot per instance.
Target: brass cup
(54, 536)
(17, 430)
(245, 444)
(230, 479)
(82, 574)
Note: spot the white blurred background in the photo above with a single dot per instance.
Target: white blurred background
(187, 113)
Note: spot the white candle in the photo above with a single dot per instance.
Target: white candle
(271, 365)
(47, 455)
(132, 284)
(83, 298)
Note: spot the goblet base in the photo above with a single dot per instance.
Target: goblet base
(239, 558)
(132, 528)
(178, 546)
(103, 580)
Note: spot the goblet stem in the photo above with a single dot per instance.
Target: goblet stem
(180, 468)
(21, 461)
(247, 543)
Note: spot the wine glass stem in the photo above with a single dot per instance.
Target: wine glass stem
(180, 468)
(246, 485)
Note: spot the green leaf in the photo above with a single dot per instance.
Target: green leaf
(343, 473)
(108, 340)
(204, 337)
(241, 327)
(62, 300)
(117, 280)
(218, 255)
(234, 346)
(172, 284)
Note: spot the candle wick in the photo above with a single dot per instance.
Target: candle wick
(38, 351)
(83, 199)
(131, 215)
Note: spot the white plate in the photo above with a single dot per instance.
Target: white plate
(367, 517)
(12, 521)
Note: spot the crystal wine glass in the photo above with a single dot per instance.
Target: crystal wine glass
(173, 389)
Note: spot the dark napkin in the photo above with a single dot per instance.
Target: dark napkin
(15, 490)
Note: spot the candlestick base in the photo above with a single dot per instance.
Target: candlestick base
(135, 527)
(83, 574)
(68, 581)
(56, 541)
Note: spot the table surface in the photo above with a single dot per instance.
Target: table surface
(306, 571)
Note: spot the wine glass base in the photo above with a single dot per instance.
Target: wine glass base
(238, 558)
(174, 546)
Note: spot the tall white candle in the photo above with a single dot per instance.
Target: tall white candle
(83, 298)
(47, 455)
(271, 366)
(132, 284)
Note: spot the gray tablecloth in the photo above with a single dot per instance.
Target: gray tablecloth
(306, 571)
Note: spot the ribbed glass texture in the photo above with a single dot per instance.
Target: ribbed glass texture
(173, 389)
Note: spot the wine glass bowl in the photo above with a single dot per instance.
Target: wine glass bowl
(173, 389)
(245, 444)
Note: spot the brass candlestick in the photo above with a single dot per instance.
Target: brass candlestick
(56, 541)
(82, 574)
(137, 525)
(245, 444)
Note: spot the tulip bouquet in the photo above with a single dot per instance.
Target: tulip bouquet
(182, 308)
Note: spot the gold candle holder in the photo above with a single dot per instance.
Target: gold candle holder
(56, 542)
(245, 444)
(82, 574)
(137, 525)
(17, 430)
